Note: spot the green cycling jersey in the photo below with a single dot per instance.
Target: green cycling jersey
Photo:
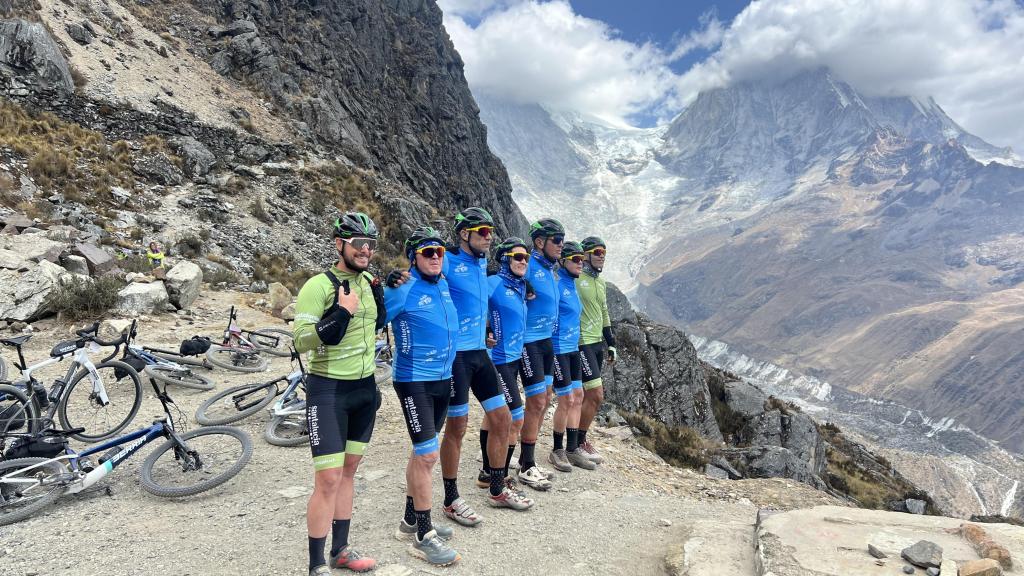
(353, 357)
(593, 296)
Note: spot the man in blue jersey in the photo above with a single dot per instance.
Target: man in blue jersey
(568, 369)
(538, 362)
(506, 307)
(465, 270)
(425, 325)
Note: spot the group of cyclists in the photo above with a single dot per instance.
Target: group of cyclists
(541, 317)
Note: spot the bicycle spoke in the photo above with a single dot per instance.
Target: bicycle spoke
(217, 452)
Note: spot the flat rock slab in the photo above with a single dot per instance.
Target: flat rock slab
(833, 541)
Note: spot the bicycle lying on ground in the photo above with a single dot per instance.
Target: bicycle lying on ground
(157, 365)
(187, 463)
(239, 353)
(95, 400)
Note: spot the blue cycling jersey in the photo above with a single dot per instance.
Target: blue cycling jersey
(567, 326)
(542, 310)
(425, 325)
(467, 279)
(507, 308)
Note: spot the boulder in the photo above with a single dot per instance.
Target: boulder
(75, 264)
(234, 29)
(197, 157)
(948, 568)
(11, 260)
(280, 297)
(33, 247)
(183, 282)
(113, 328)
(772, 462)
(983, 567)
(923, 554)
(158, 168)
(79, 34)
(19, 221)
(712, 471)
(135, 299)
(915, 506)
(288, 313)
(27, 50)
(98, 260)
(24, 295)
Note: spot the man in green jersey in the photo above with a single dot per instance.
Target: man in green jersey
(595, 337)
(337, 315)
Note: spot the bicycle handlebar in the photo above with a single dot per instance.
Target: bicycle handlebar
(90, 332)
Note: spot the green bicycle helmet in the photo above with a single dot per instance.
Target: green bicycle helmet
(591, 242)
(421, 236)
(508, 244)
(472, 217)
(546, 228)
(570, 248)
(355, 225)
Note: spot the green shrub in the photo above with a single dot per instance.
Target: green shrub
(135, 263)
(86, 299)
(274, 268)
(680, 446)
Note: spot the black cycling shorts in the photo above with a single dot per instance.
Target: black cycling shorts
(425, 406)
(592, 358)
(474, 370)
(510, 388)
(537, 368)
(568, 373)
(340, 416)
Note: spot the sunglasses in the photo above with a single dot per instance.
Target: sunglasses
(360, 243)
(575, 258)
(557, 239)
(518, 256)
(483, 230)
(597, 251)
(431, 251)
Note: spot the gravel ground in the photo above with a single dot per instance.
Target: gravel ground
(622, 517)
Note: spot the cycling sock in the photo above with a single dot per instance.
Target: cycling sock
(483, 449)
(572, 439)
(423, 524)
(339, 535)
(451, 490)
(583, 436)
(558, 439)
(316, 552)
(497, 481)
(508, 457)
(526, 456)
(410, 512)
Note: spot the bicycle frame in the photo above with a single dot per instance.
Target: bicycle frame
(55, 395)
(233, 334)
(146, 356)
(294, 380)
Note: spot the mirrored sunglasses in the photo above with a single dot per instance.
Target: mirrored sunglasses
(483, 230)
(431, 251)
(518, 256)
(360, 243)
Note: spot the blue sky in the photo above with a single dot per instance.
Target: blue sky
(641, 62)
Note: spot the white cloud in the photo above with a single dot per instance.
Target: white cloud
(967, 54)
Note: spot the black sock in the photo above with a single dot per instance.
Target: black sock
(410, 512)
(483, 449)
(497, 481)
(572, 439)
(423, 524)
(508, 457)
(526, 456)
(558, 439)
(451, 491)
(583, 436)
(339, 535)
(316, 552)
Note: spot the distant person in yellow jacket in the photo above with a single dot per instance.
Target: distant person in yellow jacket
(155, 255)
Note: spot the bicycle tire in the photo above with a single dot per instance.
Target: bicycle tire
(157, 489)
(17, 411)
(92, 436)
(382, 374)
(274, 432)
(214, 351)
(179, 377)
(284, 341)
(49, 496)
(199, 361)
(3, 369)
(203, 418)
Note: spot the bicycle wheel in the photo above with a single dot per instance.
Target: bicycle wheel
(24, 492)
(80, 406)
(287, 430)
(3, 369)
(183, 377)
(214, 455)
(222, 408)
(17, 412)
(265, 338)
(234, 359)
(184, 360)
(382, 373)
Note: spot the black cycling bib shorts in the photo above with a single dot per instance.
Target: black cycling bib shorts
(537, 367)
(425, 406)
(473, 370)
(507, 374)
(568, 373)
(340, 415)
(592, 358)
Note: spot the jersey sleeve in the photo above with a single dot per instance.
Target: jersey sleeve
(394, 299)
(310, 306)
(603, 295)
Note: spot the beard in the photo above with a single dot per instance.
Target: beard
(351, 263)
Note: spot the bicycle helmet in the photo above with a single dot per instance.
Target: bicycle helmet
(355, 225)
(508, 244)
(420, 236)
(570, 248)
(546, 228)
(591, 242)
(472, 217)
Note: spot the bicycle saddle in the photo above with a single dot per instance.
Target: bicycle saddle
(16, 341)
(65, 348)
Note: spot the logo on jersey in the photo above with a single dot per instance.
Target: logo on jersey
(425, 300)
(538, 274)
(510, 292)
(565, 292)
(461, 268)
(584, 283)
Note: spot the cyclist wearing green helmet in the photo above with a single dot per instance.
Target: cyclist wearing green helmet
(337, 314)
(595, 337)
